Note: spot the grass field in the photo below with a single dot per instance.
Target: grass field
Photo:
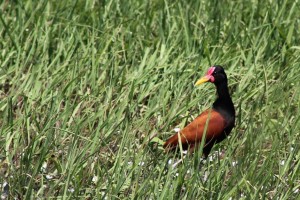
(90, 89)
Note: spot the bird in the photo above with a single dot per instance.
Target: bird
(214, 124)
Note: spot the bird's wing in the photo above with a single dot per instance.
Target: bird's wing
(209, 124)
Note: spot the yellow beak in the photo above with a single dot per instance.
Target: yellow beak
(202, 80)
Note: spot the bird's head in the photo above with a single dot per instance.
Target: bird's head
(215, 74)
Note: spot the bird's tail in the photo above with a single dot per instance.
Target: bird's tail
(171, 143)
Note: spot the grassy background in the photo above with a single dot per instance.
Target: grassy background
(85, 84)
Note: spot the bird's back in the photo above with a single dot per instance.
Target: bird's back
(210, 124)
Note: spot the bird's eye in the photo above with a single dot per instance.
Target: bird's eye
(215, 72)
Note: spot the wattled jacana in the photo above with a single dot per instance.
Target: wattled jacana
(214, 124)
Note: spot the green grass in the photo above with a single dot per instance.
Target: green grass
(85, 84)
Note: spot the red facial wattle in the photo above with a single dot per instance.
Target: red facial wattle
(209, 74)
(208, 77)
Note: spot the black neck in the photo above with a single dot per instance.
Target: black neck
(223, 103)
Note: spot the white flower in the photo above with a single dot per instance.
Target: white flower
(95, 179)
(176, 129)
(205, 176)
(71, 190)
(130, 163)
(44, 167)
(49, 177)
(234, 163)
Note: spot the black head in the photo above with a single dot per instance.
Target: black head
(215, 74)
(219, 75)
